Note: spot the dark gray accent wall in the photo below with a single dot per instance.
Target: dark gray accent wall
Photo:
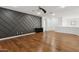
(14, 23)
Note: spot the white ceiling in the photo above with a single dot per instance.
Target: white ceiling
(68, 10)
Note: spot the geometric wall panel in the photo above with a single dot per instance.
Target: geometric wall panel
(16, 23)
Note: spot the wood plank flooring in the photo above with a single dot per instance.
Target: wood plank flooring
(41, 42)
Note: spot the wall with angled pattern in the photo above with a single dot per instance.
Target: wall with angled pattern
(14, 23)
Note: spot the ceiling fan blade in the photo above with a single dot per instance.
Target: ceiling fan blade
(42, 9)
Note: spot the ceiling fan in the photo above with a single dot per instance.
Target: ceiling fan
(42, 9)
(43, 12)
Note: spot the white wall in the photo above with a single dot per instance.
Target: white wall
(63, 25)
(70, 24)
(49, 23)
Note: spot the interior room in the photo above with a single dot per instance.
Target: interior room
(39, 28)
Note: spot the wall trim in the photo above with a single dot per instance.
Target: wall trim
(16, 36)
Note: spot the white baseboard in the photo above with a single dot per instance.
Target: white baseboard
(16, 36)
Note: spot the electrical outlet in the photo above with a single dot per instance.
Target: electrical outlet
(17, 33)
(21, 32)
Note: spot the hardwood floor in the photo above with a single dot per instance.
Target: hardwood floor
(52, 41)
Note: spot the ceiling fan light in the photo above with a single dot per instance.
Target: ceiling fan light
(38, 12)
